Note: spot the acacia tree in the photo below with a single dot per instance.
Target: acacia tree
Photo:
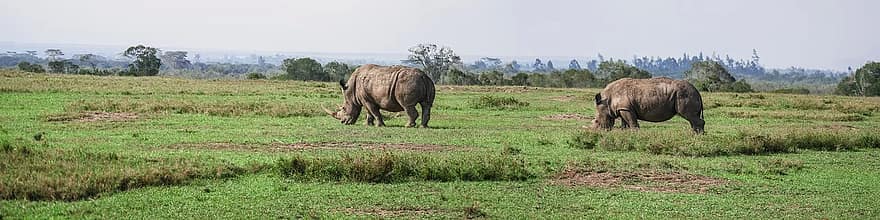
(89, 59)
(175, 60)
(712, 77)
(304, 69)
(145, 61)
(54, 54)
(338, 71)
(433, 60)
(614, 70)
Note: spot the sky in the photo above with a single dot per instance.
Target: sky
(825, 34)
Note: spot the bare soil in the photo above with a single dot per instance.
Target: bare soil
(281, 147)
(94, 117)
(647, 181)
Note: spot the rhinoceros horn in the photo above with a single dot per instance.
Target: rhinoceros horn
(331, 113)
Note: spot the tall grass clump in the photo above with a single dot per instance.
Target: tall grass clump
(496, 102)
(684, 143)
(224, 109)
(31, 173)
(390, 168)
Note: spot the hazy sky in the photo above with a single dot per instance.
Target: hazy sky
(819, 34)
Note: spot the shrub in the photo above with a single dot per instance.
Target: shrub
(802, 91)
(31, 67)
(254, 76)
(586, 140)
(494, 102)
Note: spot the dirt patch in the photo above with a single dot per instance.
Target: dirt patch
(568, 116)
(648, 181)
(392, 212)
(280, 147)
(565, 98)
(94, 117)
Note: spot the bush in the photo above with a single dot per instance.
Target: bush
(31, 67)
(494, 102)
(253, 76)
(801, 91)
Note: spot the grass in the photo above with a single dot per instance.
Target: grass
(496, 102)
(492, 152)
(748, 143)
(390, 168)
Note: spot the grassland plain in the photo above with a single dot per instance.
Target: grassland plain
(154, 147)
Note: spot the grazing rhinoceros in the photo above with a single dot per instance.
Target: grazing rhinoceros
(654, 100)
(393, 89)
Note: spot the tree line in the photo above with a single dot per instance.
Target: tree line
(445, 67)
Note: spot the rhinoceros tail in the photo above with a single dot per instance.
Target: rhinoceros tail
(429, 90)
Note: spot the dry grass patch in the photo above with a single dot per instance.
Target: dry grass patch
(646, 180)
(811, 116)
(392, 212)
(280, 147)
(93, 116)
(568, 116)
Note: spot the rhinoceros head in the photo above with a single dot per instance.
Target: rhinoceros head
(348, 113)
(604, 117)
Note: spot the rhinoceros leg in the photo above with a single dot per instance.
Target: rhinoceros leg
(629, 119)
(426, 114)
(370, 119)
(373, 110)
(412, 114)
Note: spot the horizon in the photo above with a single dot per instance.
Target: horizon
(804, 34)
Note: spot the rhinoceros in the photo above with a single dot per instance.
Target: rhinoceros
(391, 88)
(654, 100)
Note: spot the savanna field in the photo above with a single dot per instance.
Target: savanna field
(156, 147)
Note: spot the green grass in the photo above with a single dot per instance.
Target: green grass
(262, 149)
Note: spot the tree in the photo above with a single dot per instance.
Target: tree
(491, 62)
(145, 61)
(31, 67)
(304, 69)
(458, 77)
(492, 78)
(54, 54)
(712, 77)
(520, 79)
(549, 66)
(614, 70)
(89, 59)
(512, 67)
(433, 60)
(578, 78)
(539, 66)
(864, 82)
(337, 71)
(63, 66)
(175, 60)
(574, 65)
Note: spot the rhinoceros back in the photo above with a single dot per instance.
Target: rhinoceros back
(655, 99)
(392, 88)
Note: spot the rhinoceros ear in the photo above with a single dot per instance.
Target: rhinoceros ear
(342, 84)
(598, 98)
